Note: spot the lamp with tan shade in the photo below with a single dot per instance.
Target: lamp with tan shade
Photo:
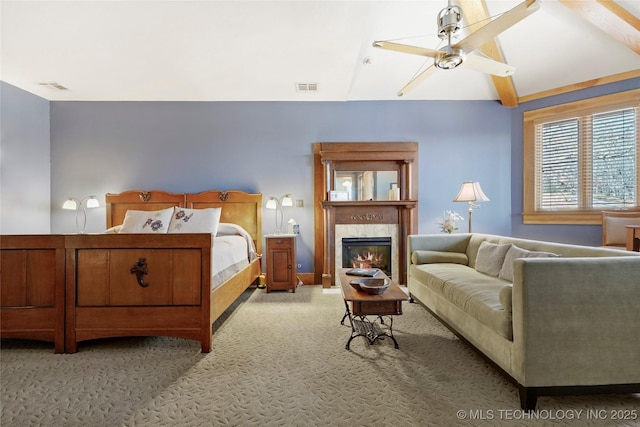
(471, 192)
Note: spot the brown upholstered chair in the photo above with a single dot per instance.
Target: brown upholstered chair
(614, 232)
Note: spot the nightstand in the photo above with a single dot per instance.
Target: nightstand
(281, 262)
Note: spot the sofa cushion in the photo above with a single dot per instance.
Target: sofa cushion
(491, 257)
(479, 297)
(475, 293)
(506, 297)
(434, 276)
(427, 257)
(514, 252)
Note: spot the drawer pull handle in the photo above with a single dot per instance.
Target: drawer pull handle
(140, 269)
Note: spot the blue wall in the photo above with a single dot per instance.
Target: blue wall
(101, 147)
(24, 162)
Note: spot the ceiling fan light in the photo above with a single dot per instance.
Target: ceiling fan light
(450, 58)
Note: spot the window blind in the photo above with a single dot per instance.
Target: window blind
(613, 181)
(590, 161)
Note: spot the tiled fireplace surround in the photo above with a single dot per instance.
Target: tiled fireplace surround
(369, 230)
(369, 218)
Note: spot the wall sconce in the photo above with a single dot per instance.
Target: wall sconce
(277, 204)
(471, 192)
(79, 205)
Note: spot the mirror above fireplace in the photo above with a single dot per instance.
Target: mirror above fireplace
(368, 185)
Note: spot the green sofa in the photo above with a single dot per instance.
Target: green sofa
(556, 318)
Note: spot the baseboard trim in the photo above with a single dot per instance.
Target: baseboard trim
(306, 278)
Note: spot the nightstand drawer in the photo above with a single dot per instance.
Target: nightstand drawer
(280, 243)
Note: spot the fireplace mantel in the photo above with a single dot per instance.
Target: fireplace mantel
(328, 157)
(371, 203)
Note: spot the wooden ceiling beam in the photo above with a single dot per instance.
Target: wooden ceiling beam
(476, 15)
(611, 18)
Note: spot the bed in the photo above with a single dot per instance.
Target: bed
(71, 288)
(147, 285)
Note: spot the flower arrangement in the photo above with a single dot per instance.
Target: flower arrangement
(448, 221)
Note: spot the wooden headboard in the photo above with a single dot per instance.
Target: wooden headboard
(238, 207)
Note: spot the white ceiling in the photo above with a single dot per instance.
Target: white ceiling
(258, 50)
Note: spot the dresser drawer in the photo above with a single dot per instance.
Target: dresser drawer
(135, 277)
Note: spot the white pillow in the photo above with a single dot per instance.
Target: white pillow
(195, 220)
(148, 222)
(113, 230)
(491, 257)
(514, 252)
(229, 229)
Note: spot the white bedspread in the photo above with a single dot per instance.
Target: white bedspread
(233, 249)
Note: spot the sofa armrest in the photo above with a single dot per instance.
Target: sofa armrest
(576, 321)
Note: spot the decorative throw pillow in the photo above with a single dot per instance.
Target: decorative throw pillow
(195, 220)
(491, 257)
(514, 252)
(433, 257)
(147, 222)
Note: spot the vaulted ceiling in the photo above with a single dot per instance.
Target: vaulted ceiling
(271, 50)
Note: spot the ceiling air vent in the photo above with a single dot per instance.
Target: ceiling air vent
(54, 86)
(306, 87)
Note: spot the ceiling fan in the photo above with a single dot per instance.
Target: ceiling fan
(461, 53)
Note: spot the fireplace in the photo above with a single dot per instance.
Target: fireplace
(367, 252)
(376, 213)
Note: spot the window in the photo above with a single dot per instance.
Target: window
(582, 158)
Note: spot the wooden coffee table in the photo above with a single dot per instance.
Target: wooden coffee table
(385, 305)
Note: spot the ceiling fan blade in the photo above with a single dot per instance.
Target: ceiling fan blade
(417, 80)
(405, 48)
(479, 37)
(488, 65)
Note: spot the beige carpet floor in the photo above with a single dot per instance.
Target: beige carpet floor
(279, 359)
